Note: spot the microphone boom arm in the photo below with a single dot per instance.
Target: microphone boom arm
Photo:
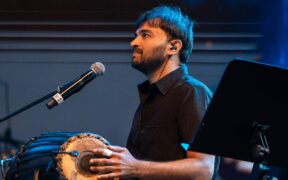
(28, 106)
(65, 91)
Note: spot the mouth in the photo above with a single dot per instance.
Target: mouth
(137, 51)
(135, 55)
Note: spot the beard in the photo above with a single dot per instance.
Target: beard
(150, 63)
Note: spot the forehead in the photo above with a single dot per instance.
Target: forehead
(153, 29)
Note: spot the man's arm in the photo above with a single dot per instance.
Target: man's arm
(122, 164)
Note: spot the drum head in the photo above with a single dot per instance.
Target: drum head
(77, 166)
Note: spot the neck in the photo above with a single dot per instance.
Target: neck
(167, 67)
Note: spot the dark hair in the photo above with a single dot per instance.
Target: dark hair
(176, 24)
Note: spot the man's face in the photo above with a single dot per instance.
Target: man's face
(149, 48)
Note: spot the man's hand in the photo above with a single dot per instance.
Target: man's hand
(119, 163)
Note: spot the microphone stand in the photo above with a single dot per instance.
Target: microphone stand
(28, 106)
(3, 163)
(261, 151)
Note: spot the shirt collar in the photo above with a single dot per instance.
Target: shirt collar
(165, 83)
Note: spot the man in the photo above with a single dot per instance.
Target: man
(171, 108)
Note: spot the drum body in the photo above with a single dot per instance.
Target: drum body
(55, 155)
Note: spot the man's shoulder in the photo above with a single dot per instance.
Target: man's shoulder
(189, 82)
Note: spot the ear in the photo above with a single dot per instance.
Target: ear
(175, 45)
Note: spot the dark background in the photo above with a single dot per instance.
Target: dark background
(128, 10)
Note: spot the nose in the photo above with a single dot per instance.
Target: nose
(134, 42)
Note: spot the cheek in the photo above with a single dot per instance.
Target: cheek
(148, 50)
(152, 49)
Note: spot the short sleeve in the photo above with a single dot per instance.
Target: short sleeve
(191, 111)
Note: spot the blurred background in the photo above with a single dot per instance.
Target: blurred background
(44, 44)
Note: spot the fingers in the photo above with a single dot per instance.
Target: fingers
(110, 163)
(103, 166)
(107, 152)
(103, 162)
(111, 151)
(116, 149)
(103, 152)
(109, 176)
(104, 169)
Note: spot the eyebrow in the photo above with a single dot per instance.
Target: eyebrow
(143, 31)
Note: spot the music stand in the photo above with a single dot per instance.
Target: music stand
(247, 116)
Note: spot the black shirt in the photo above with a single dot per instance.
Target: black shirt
(169, 113)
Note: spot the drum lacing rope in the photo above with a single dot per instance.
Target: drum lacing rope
(4, 162)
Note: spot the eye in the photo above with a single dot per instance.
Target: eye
(145, 35)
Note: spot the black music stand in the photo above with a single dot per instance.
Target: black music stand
(247, 116)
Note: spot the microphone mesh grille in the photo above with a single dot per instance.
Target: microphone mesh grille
(98, 68)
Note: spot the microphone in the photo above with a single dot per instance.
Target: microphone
(63, 92)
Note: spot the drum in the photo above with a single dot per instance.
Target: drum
(56, 155)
